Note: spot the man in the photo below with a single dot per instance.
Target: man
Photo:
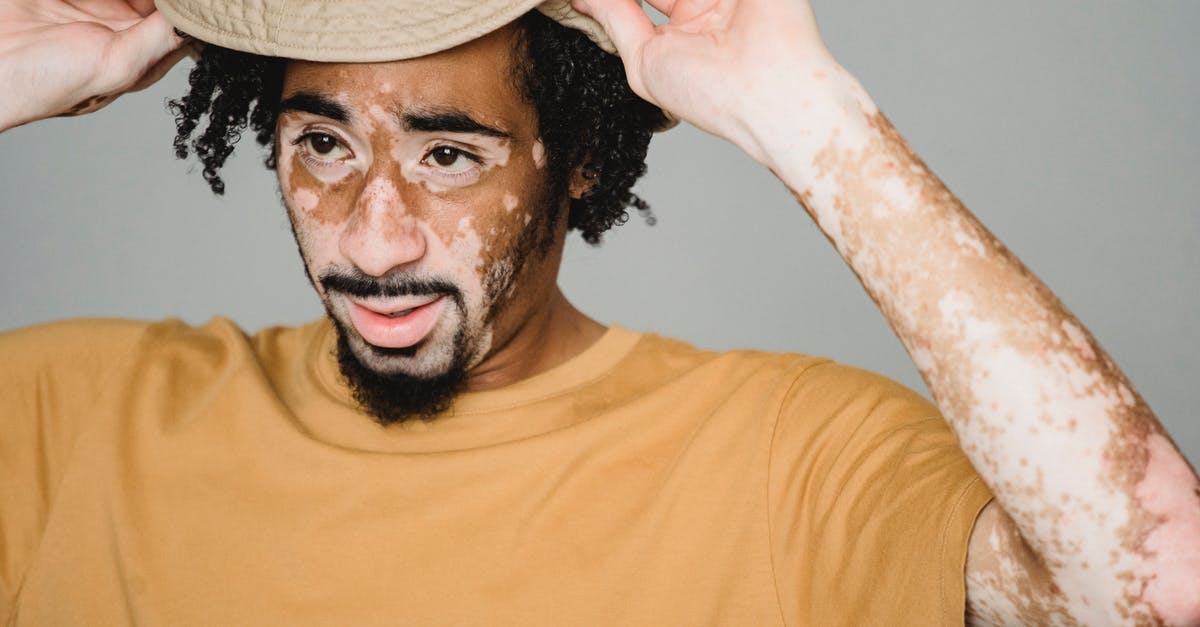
(565, 472)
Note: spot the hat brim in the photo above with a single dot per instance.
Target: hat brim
(357, 31)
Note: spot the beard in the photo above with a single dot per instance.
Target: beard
(387, 395)
(372, 374)
(393, 398)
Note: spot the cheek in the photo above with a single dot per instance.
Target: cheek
(305, 200)
(514, 248)
(503, 232)
(318, 201)
(485, 247)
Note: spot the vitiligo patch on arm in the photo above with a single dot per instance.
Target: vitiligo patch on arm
(1059, 434)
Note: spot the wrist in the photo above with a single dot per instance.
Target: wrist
(12, 117)
(817, 106)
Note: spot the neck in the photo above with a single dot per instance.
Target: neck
(553, 336)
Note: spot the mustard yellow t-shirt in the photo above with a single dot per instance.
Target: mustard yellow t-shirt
(159, 474)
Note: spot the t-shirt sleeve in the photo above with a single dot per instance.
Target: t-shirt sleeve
(52, 377)
(871, 502)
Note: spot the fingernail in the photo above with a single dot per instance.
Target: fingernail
(182, 34)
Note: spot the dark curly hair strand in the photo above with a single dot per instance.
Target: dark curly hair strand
(587, 116)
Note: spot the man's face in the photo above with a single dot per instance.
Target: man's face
(417, 194)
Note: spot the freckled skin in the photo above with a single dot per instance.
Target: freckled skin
(377, 202)
(1042, 412)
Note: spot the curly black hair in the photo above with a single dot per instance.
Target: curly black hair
(586, 113)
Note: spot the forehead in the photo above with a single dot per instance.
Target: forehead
(477, 76)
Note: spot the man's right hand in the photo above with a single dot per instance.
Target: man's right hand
(68, 58)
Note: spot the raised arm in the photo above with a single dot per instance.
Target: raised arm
(1097, 514)
(60, 58)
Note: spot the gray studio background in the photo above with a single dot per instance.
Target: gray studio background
(1069, 128)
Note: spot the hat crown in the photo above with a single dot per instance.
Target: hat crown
(358, 30)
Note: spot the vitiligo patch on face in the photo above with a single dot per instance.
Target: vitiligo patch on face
(539, 154)
(305, 199)
(321, 199)
(381, 195)
(481, 217)
(466, 243)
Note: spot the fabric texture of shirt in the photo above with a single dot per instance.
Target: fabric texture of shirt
(161, 474)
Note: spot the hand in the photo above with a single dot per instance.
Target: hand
(68, 58)
(719, 64)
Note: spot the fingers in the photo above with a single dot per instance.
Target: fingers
(143, 7)
(624, 21)
(139, 48)
(161, 68)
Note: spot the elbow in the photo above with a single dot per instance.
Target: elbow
(1173, 592)
(1184, 607)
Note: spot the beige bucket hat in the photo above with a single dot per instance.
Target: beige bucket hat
(358, 30)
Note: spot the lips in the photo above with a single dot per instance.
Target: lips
(396, 324)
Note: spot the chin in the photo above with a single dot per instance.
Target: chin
(393, 388)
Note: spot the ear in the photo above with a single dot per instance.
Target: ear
(583, 179)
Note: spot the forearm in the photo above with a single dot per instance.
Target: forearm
(1070, 450)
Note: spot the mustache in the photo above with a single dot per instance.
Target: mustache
(357, 283)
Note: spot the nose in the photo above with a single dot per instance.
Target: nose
(382, 234)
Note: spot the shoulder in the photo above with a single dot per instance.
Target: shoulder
(855, 423)
(69, 345)
(99, 332)
(103, 344)
(801, 384)
(805, 400)
(858, 398)
(666, 359)
(871, 501)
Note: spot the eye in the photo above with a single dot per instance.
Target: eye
(450, 159)
(323, 145)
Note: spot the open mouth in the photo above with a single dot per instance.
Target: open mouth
(396, 327)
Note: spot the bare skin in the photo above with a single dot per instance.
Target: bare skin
(369, 194)
(1097, 515)
(73, 58)
(70, 58)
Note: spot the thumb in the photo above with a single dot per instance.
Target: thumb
(626, 24)
(137, 49)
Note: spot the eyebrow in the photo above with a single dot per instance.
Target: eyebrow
(316, 104)
(446, 120)
(419, 119)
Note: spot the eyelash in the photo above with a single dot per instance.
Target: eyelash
(476, 159)
(300, 143)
